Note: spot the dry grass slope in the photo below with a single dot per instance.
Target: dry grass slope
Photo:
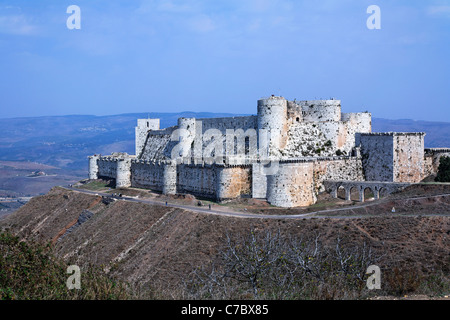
(156, 248)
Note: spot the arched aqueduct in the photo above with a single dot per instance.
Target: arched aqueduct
(377, 188)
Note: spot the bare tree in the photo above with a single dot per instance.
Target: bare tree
(270, 264)
(250, 258)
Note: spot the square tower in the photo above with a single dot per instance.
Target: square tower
(392, 156)
(142, 129)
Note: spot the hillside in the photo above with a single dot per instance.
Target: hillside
(156, 248)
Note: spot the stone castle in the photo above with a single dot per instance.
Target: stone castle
(284, 154)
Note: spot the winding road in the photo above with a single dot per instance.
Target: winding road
(226, 211)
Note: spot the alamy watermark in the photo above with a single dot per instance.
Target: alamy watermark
(231, 146)
(374, 20)
(73, 281)
(74, 20)
(374, 280)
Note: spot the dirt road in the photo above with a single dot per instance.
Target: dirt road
(225, 211)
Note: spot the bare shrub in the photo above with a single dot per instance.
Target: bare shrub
(268, 265)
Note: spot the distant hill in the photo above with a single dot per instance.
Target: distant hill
(437, 133)
(66, 141)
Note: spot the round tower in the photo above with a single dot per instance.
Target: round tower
(169, 178)
(272, 119)
(123, 173)
(186, 128)
(292, 185)
(93, 167)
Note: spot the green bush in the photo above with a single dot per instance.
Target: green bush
(443, 174)
(30, 271)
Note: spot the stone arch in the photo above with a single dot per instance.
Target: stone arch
(368, 193)
(353, 193)
(341, 192)
(383, 192)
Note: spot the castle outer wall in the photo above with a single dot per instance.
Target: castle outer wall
(293, 183)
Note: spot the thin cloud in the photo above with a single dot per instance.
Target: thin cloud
(149, 7)
(168, 6)
(17, 25)
(439, 10)
(202, 23)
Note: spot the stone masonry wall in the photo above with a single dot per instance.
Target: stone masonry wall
(292, 185)
(197, 180)
(320, 110)
(344, 168)
(239, 127)
(297, 183)
(223, 124)
(259, 181)
(145, 174)
(353, 123)
(107, 168)
(377, 151)
(392, 156)
(408, 157)
(308, 139)
(322, 130)
(233, 182)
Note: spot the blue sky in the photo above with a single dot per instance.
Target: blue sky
(223, 55)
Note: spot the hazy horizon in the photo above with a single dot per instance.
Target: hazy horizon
(187, 111)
